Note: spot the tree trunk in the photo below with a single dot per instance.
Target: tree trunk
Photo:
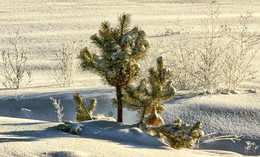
(142, 116)
(119, 96)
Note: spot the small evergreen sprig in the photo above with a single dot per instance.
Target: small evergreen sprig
(84, 112)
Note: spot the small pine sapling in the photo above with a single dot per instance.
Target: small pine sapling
(179, 135)
(120, 49)
(84, 112)
(58, 108)
(146, 97)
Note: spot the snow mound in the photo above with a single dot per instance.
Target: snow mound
(123, 133)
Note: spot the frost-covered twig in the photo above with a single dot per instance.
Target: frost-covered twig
(232, 138)
(58, 108)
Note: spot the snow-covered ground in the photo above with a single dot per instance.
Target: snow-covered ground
(46, 24)
(30, 138)
(221, 114)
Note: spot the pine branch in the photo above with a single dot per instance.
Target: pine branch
(124, 23)
(82, 113)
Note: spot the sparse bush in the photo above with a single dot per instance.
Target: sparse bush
(238, 60)
(211, 50)
(59, 109)
(183, 60)
(65, 64)
(14, 69)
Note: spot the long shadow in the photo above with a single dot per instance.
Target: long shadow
(23, 124)
(32, 135)
(239, 146)
(181, 96)
(16, 139)
(52, 132)
(123, 134)
(40, 107)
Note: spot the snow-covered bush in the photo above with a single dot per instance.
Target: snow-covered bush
(14, 68)
(179, 135)
(59, 109)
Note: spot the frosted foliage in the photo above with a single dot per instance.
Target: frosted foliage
(118, 63)
(92, 105)
(146, 96)
(59, 109)
(180, 135)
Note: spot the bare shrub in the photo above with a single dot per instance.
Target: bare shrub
(212, 47)
(183, 54)
(198, 57)
(14, 67)
(216, 58)
(238, 60)
(65, 64)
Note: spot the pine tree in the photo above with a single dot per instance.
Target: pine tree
(147, 96)
(120, 49)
